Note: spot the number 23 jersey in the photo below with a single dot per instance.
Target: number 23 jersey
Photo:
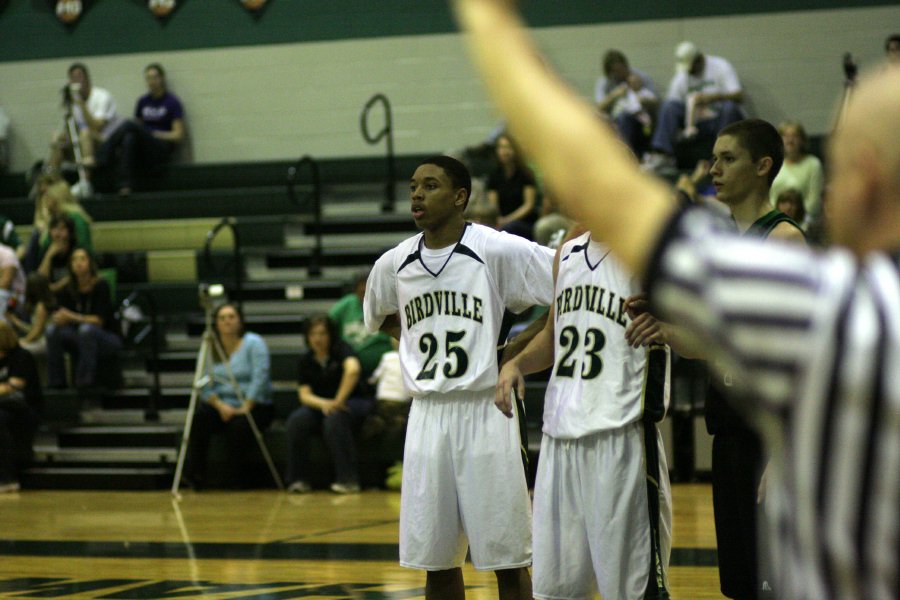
(599, 382)
(450, 304)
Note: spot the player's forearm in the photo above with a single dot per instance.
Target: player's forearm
(589, 170)
(538, 354)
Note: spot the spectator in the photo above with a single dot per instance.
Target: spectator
(892, 49)
(40, 302)
(56, 201)
(327, 378)
(628, 97)
(96, 118)
(347, 313)
(4, 141)
(222, 407)
(705, 94)
(148, 141)
(8, 235)
(54, 264)
(84, 324)
(512, 189)
(790, 202)
(801, 171)
(20, 407)
(12, 278)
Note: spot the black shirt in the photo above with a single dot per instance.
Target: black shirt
(18, 363)
(324, 380)
(510, 192)
(97, 302)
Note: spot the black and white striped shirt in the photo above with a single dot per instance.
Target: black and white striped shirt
(815, 341)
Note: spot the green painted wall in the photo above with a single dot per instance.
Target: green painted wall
(29, 30)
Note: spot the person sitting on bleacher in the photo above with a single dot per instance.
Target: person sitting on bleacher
(40, 303)
(55, 203)
(54, 262)
(801, 171)
(328, 374)
(347, 314)
(221, 408)
(12, 278)
(148, 141)
(20, 407)
(704, 96)
(84, 325)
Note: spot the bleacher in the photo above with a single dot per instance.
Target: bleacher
(154, 241)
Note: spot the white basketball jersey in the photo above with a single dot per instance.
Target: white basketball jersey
(599, 382)
(451, 309)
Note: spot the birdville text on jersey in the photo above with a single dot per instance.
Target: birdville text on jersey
(591, 298)
(442, 302)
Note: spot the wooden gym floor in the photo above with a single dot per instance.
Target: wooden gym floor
(260, 545)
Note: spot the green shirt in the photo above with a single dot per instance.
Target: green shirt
(348, 314)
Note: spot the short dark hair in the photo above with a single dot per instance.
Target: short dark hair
(157, 67)
(760, 139)
(78, 65)
(611, 58)
(894, 37)
(455, 170)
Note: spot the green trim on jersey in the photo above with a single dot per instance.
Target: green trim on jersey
(764, 225)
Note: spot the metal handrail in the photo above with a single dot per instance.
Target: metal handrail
(314, 268)
(238, 264)
(152, 411)
(387, 132)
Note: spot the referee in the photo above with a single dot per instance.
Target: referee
(814, 338)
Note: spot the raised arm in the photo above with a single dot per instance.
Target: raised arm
(588, 169)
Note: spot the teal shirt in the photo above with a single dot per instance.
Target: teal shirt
(250, 366)
(348, 314)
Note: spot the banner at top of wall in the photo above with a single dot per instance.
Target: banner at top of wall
(162, 9)
(69, 11)
(254, 6)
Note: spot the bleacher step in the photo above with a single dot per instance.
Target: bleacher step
(68, 456)
(97, 478)
(119, 436)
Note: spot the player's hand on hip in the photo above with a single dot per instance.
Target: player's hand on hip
(510, 379)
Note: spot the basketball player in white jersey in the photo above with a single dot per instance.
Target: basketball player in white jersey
(463, 480)
(602, 482)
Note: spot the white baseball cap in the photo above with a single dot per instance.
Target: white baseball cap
(685, 53)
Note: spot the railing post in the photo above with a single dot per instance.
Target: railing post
(238, 263)
(314, 268)
(387, 132)
(151, 413)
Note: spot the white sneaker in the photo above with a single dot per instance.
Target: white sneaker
(345, 488)
(82, 189)
(299, 487)
(9, 487)
(656, 162)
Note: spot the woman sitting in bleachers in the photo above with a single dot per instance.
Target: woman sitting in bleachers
(328, 375)
(222, 409)
(84, 325)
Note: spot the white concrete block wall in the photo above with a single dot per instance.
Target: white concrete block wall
(276, 102)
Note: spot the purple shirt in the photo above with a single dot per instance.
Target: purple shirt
(157, 114)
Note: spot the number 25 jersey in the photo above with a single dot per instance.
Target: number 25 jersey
(450, 304)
